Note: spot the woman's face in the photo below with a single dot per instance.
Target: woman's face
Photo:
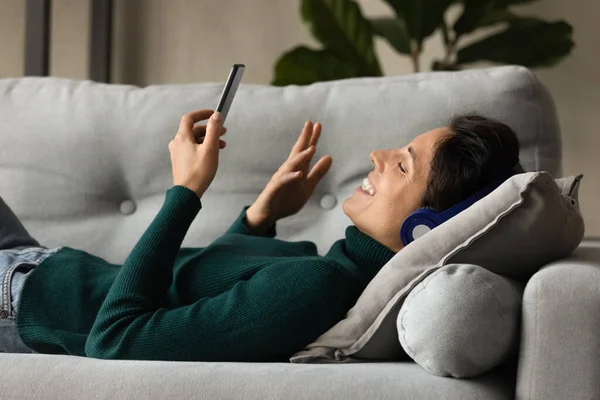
(399, 181)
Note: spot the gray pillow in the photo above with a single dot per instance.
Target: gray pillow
(461, 321)
(527, 222)
(569, 187)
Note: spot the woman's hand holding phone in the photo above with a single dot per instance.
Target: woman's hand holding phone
(195, 150)
(292, 185)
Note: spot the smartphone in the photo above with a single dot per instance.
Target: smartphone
(233, 81)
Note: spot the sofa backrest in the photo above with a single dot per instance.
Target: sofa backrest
(86, 165)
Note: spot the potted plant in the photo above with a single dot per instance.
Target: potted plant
(347, 38)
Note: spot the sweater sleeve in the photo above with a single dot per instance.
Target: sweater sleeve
(267, 317)
(239, 226)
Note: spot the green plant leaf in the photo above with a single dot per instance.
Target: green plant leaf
(341, 27)
(422, 17)
(535, 43)
(506, 3)
(502, 15)
(473, 12)
(497, 16)
(518, 20)
(303, 66)
(394, 31)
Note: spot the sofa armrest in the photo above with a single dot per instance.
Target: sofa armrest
(560, 334)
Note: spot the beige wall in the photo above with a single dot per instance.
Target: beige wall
(180, 41)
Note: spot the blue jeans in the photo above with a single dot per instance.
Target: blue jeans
(19, 255)
(15, 266)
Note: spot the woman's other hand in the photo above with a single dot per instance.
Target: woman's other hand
(292, 185)
(195, 150)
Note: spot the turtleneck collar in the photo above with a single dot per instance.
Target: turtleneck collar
(361, 250)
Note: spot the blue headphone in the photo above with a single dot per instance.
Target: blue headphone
(425, 219)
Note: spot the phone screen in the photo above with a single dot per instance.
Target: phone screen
(233, 81)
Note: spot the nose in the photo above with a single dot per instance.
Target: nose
(376, 159)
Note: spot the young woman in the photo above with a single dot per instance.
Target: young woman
(247, 296)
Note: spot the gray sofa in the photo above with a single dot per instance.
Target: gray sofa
(87, 165)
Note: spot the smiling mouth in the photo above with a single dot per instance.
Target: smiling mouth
(368, 187)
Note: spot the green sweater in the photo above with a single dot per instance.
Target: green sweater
(244, 297)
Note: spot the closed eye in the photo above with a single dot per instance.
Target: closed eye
(401, 168)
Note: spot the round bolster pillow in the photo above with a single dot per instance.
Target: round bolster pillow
(461, 321)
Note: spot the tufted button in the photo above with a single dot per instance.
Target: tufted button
(3, 314)
(127, 207)
(328, 201)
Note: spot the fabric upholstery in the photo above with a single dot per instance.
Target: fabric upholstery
(76, 378)
(569, 186)
(86, 165)
(461, 321)
(560, 342)
(99, 153)
(522, 225)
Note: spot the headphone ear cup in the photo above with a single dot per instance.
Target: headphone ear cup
(420, 230)
(423, 220)
(417, 224)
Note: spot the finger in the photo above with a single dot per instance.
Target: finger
(302, 142)
(213, 130)
(222, 143)
(298, 160)
(318, 171)
(200, 130)
(290, 177)
(188, 120)
(316, 134)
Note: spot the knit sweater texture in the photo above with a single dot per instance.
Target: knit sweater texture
(244, 297)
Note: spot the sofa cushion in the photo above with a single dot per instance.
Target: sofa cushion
(522, 225)
(99, 153)
(461, 321)
(62, 377)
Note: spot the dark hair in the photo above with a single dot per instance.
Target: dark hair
(478, 152)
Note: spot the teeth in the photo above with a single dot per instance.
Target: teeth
(366, 185)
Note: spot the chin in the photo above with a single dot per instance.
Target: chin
(345, 207)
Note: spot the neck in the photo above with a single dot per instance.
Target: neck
(389, 240)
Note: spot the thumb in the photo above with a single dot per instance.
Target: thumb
(213, 130)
